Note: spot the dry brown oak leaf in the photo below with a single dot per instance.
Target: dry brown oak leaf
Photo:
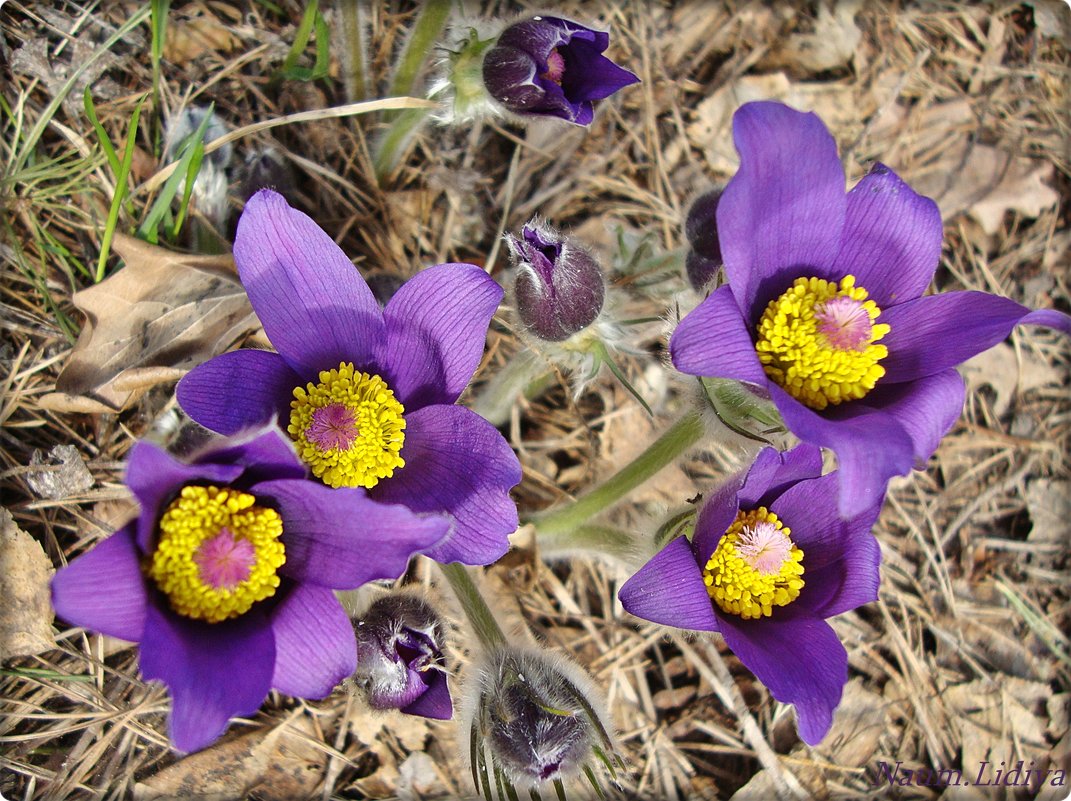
(148, 323)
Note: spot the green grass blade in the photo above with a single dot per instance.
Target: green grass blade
(102, 135)
(158, 23)
(191, 177)
(301, 41)
(120, 192)
(149, 229)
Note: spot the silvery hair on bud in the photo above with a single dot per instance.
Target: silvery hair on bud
(532, 717)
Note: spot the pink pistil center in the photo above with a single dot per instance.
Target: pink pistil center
(844, 323)
(333, 426)
(764, 547)
(555, 67)
(225, 561)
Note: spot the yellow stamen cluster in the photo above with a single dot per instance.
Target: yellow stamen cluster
(374, 451)
(741, 589)
(800, 358)
(198, 515)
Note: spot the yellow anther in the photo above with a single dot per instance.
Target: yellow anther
(817, 342)
(349, 428)
(217, 554)
(755, 566)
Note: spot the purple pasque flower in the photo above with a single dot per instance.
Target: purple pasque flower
(559, 288)
(824, 309)
(367, 393)
(400, 663)
(552, 67)
(770, 560)
(227, 577)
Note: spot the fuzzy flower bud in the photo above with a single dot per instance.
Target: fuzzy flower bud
(552, 67)
(209, 193)
(400, 657)
(532, 718)
(701, 230)
(559, 289)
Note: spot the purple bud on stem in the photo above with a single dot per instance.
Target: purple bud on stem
(552, 67)
(559, 289)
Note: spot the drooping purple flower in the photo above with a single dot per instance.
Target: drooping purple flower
(533, 717)
(824, 309)
(367, 393)
(552, 67)
(400, 657)
(559, 287)
(227, 577)
(770, 560)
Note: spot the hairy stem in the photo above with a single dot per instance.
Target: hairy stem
(682, 435)
(473, 605)
(525, 374)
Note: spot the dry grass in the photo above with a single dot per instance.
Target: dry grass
(959, 661)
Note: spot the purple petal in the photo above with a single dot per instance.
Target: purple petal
(798, 658)
(436, 330)
(781, 215)
(847, 583)
(926, 408)
(316, 309)
(266, 453)
(537, 37)
(340, 538)
(435, 701)
(456, 462)
(773, 473)
(892, 238)
(669, 590)
(155, 476)
(238, 390)
(103, 589)
(718, 513)
(589, 75)
(871, 447)
(936, 332)
(713, 341)
(314, 644)
(213, 671)
(809, 509)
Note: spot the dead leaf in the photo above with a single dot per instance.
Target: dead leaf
(831, 44)
(161, 314)
(272, 765)
(980, 180)
(61, 474)
(839, 106)
(1048, 501)
(189, 38)
(1008, 373)
(861, 721)
(25, 610)
(991, 715)
(34, 58)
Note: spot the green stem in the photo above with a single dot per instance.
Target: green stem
(680, 437)
(525, 374)
(605, 540)
(473, 605)
(426, 31)
(353, 49)
(390, 147)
